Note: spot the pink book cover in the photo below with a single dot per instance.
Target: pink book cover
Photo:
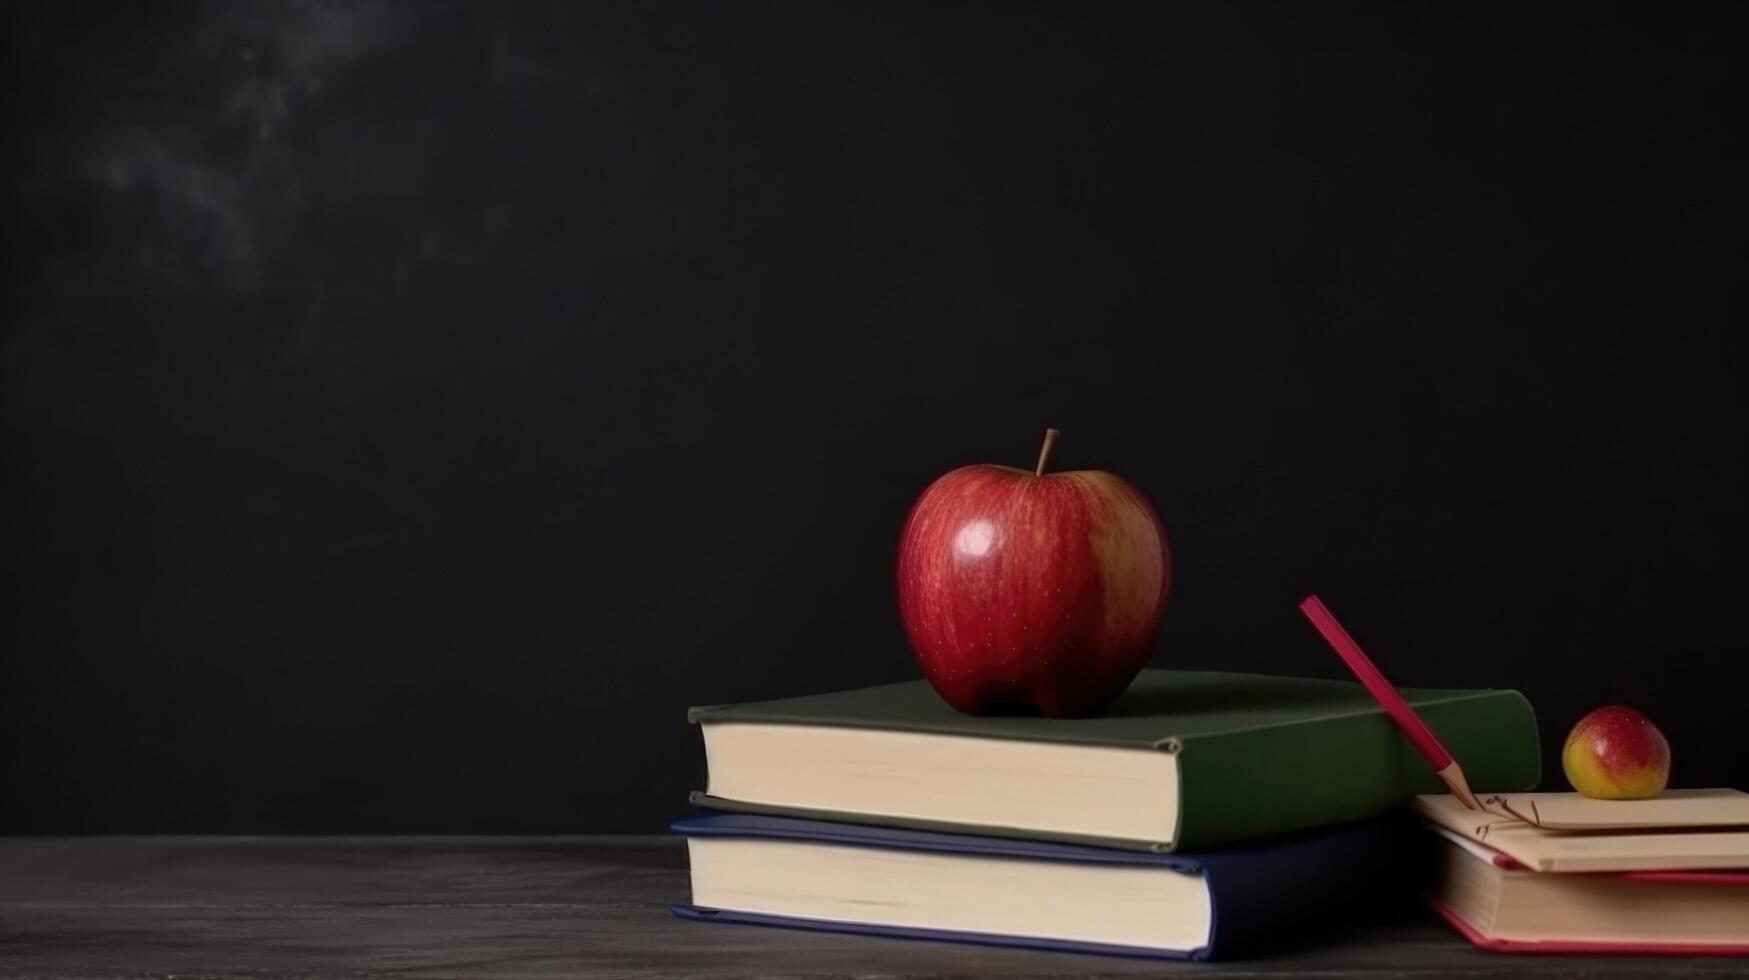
(1570, 947)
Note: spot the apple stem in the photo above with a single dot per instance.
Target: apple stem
(1044, 453)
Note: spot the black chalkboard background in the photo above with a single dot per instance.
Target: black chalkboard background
(410, 409)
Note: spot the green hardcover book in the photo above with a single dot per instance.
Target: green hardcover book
(1185, 759)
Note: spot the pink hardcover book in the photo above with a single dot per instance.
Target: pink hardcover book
(1499, 904)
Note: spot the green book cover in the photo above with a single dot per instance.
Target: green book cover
(1257, 755)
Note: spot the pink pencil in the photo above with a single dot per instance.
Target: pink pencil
(1420, 736)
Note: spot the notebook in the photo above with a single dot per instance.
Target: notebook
(805, 874)
(1687, 830)
(1184, 759)
(1498, 904)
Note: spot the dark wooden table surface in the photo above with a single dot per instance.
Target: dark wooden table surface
(359, 907)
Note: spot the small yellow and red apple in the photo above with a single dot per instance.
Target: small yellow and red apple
(1028, 591)
(1616, 753)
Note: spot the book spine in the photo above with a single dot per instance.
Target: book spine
(1239, 786)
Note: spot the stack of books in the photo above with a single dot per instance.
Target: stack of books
(1204, 815)
(1560, 873)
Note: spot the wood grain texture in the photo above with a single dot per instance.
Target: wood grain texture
(440, 907)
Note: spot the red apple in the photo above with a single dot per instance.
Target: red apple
(1616, 753)
(1026, 591)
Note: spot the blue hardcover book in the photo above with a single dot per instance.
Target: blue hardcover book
(838, 877)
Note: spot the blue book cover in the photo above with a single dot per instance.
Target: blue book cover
(1262, 896)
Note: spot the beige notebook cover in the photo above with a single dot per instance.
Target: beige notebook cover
(1683, 830)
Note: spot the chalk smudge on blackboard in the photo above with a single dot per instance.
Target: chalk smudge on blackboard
(218, 183)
